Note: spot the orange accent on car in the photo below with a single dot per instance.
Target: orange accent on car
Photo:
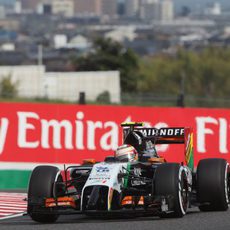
(127, 200)
(60, 201)
(141, 201)
(157, 160)
(89, 161)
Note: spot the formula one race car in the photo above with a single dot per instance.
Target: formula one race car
(134, 180)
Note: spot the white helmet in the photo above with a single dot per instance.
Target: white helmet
(126, 153)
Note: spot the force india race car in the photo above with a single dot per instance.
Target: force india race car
(147, 186)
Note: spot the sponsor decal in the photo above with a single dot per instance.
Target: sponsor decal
(164, 132)
(137, 182)
(102, 169)
(137, 171)
(99, 178)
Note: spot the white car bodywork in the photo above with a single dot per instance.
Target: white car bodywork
(106, 174)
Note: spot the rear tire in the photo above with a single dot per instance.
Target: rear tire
(213, 184)
(171, 180)
(41, 185)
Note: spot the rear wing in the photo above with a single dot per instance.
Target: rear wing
(169, 135)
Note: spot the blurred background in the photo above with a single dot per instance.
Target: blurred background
(129, 52)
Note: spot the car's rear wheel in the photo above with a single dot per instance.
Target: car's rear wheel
(42, 185)
(171, 180)
(213, 184)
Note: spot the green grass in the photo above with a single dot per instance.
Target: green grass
(14, 179)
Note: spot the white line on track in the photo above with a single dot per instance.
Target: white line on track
(12, 198)
(15, 208)
(11, 201)
(6, 214)
(15, 205)
(13, 195)
(13, 216)
(10, 211)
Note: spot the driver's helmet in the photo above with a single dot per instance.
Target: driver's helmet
(126, 153)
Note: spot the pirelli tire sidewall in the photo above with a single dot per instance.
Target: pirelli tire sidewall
(213, 184)
(41, 185)
(171, 180)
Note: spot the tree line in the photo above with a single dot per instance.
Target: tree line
(203, 73)
(202, 76)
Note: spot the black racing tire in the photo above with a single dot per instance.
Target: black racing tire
(213, 184)
(41, 185)
(171, 180)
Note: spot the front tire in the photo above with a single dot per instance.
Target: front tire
(213, 184)
(171, 180)
(41, 186)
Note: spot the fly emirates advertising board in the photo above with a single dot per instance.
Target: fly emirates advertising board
(32, 134)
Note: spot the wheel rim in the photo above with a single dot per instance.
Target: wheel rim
(184, 194)
(226, 183)
(183, 191)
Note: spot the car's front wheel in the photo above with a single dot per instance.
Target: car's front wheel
(171, 180)
(41, 186)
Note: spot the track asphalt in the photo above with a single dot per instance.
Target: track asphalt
(194, 220)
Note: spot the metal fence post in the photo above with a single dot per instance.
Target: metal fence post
(82, 98)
